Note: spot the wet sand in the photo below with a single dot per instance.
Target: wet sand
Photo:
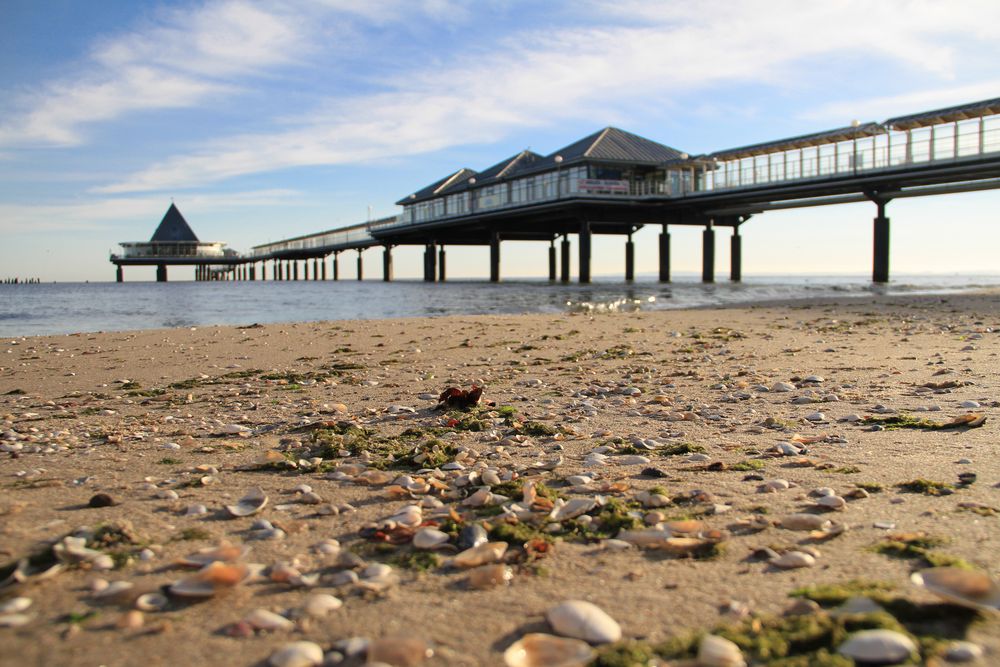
(196, 411)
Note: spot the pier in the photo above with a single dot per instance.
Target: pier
(614, 183)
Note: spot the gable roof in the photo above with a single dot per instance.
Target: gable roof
(617, 145)
(437, 187)
(173, 228)
(947, 115)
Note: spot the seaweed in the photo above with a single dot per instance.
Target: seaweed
(681, 448)
(926, 487)
(747, 465)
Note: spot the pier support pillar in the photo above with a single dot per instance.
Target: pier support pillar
(322, 265)
(495, 258)
(629, 259)
(736, 255)
(315, 268)
(120, 274)
(161, 273)
(584, 252)
(336, 266)
(564, 252)
(552, 259)
(360, 266)
(708, 254)
(880, 264)
(664, 255)
(295, 270)
(386, 263)
(430, 262)
(441, 258)
(253, 272)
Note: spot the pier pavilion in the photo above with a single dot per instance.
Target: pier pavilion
(614, 182)
(174, 243)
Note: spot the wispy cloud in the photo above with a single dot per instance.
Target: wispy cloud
(181, 60)
(880, 108)
(109, 213)
(538, 78)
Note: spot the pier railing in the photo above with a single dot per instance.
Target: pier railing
(333, 240)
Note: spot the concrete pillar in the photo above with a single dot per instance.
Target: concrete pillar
(120, 274)
(387, 263)
(708, 254)
(629, 259)
(880, 263)
(360, 267)
(295, 270)
(322, 263)
(161, 273)
(584, 252)
(494, 258)
(430, 262)
(564, 251)
(336, 266)
(736, 255)
(441, 271)
(664, 255)
(315, 268)
(552, 259)
(253, 272)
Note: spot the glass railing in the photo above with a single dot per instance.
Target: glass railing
(166, 251)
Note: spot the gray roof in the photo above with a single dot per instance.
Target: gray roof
(437, 187)
(614, 145)
(173, 228)
(946, 115)
(803, 141)
(512, 166)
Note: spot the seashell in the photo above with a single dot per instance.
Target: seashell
(225, 553)
(399, 651)
(488, 552)
(647, 539)
(327, 547)
(253, 502)
(319, 605)
(376, 571)
(297, 654)
(579, 480)
(262, 619)
(133, 619)
(857, 605)
(962, 651)
(632, 460)
(541, 650)
(682, 545)
(775, 485)
(410, 516)
(472, 536)
(209, 580)
(374, 477)
(652, 499)
(429, 538)
(14, 620)
(572, 509)
(967, 588)
(793, 559)
(803, 521)
(885, 647)
(489, 576)
(151, 602)
(688, 527)
(15, 605)
(832, 503)
(479, 498)
(116, 589)
(715, 651)
(583, 620)
(782, 387)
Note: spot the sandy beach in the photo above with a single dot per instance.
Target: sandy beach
(645, 462)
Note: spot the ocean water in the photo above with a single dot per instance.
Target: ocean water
(58, 308)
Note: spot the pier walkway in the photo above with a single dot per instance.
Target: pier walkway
(614, 182)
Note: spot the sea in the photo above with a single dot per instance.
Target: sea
(63, 308)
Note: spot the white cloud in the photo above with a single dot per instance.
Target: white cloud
(537, 78)
(109, 213)
(881, 108)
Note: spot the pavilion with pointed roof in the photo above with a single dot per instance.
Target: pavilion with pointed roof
(174, 243)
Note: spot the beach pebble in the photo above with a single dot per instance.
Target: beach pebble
(963, 652)
(969, 404)
(297, 654)
(583, 620)
(878, 646)
(782, 387)
(715, 651)
(793, 559)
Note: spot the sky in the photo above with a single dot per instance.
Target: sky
(267, 120)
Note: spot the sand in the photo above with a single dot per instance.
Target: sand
(83, 431)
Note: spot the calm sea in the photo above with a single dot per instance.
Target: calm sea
(27, 310)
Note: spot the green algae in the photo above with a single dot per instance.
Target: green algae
(748, 465)
(926, 487)
(681, 448)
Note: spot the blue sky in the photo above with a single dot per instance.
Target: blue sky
(273, 119)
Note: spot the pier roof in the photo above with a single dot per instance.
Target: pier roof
(614, 145)
(802, 141)
(946, 115)
(173, 228)
(438, 187)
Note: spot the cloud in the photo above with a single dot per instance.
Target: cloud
(109, 213)
(178, 59)
(536, 78)
(881, 108)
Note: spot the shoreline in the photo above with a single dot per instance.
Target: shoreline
(202, 408)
